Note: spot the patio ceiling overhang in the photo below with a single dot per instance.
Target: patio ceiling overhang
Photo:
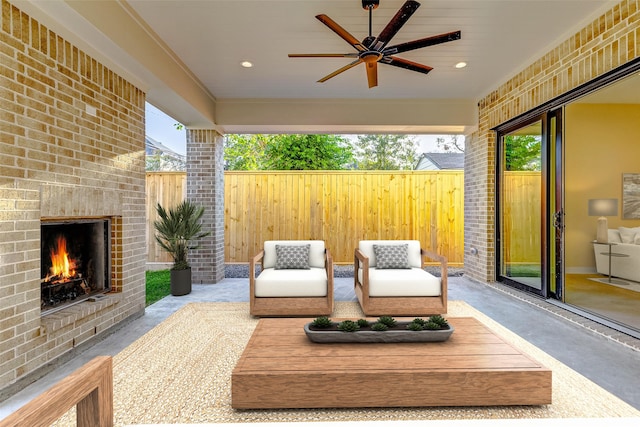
(185, 56)
(411, 116)
(114, 34)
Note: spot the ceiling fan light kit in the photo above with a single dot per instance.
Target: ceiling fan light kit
(373, 50)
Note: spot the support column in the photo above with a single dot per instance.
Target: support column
(479, 206)
(205, 187)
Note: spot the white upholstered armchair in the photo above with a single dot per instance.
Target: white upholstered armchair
(296, 279)
(389, 279)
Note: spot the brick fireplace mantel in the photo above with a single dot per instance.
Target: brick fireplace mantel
(64, 201)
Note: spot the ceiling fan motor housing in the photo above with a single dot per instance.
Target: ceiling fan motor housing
(370, 4)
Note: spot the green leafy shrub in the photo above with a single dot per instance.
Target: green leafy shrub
(322, 322)
(387, 320)
(380, 327)
(348, 326)
(419, 321)
(363, 323)
(414, 326)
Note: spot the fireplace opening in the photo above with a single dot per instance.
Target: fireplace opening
(75, 261)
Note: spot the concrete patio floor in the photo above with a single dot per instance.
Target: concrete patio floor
(607, 357)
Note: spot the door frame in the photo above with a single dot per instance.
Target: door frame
(544, 202)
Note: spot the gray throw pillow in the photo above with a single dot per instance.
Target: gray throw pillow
(392, 256)
(292, 257)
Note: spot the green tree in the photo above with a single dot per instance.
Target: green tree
(385, 152)
(522, 153)
(308, 152)
(245, 152)
(287, 152)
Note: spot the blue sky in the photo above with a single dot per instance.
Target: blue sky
(161, 127)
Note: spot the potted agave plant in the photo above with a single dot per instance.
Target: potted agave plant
(178, 231)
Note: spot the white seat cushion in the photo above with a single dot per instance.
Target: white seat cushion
(402, 283)
(291, 283)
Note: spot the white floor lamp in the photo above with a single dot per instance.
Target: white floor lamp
(603, 208)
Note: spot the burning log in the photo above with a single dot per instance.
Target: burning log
(54, 293)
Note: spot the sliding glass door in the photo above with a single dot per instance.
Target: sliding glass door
(521, 207)
(551, 162)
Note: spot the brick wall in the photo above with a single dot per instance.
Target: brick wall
(608, 42)
(71, 145)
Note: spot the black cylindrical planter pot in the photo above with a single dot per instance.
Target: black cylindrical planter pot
(180, 282)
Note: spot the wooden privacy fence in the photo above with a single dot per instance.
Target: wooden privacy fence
(521, 217)
(339, 207)
(344, 207)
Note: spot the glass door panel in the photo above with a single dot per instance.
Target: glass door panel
(521, 206)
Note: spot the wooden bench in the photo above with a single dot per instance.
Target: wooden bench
(281, 368)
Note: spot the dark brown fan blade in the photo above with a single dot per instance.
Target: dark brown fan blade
(372, 73)
(344, 34)
(417, 44)
(345, 68)
(323, 55)
(392, 28)
(407, 65)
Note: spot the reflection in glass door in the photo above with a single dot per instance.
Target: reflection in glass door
(521, 183)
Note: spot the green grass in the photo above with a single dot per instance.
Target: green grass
(158, 285)
(523, 270)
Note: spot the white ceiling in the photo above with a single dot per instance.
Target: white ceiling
(206, 40)
(499, 38)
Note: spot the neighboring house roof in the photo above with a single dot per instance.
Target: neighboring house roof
(440, 161)
(153, 146)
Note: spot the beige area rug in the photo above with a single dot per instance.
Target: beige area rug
(180, 372)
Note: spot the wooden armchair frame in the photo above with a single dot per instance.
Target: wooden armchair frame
(89, 389)
(290, 306)
(399, 306)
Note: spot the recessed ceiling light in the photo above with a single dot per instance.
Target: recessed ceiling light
(461, 64)
(246, 64)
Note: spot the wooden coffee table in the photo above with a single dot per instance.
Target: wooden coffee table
(281, 368)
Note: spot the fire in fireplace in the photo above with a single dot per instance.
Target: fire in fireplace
(75, 261)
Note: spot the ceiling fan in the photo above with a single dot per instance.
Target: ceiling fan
(374, 49)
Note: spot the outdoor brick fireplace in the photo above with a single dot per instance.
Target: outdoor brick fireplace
(75, 262)
(72, 166)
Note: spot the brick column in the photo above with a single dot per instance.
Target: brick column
(479, 206)
(205, 187)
